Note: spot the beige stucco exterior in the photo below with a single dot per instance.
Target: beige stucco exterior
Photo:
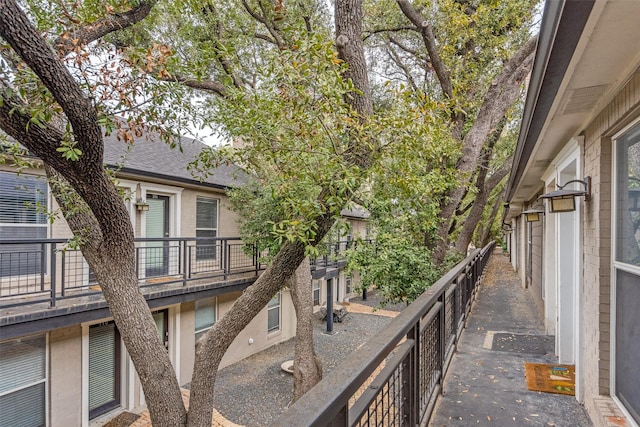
(67, 348)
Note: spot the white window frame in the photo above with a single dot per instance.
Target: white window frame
(199, 332)
(216, 229)
(175, 204)
(315, 287)
(44, 381)
(275, 304)
(615, 266)
(46, 267)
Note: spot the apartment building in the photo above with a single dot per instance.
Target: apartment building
(573, 216)
(61, 358)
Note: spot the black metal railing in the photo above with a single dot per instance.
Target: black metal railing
(396, 377)
(333, 253)
(40, 270)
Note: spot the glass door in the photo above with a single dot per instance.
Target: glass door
(157, 227)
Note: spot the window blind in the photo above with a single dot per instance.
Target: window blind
(22, 382)
(103, 390)
(205, 316)
(19, 197)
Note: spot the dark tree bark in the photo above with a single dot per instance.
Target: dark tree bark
(104, 224)
(212, 346)
(307, 367)
(479, 203)
(486, 232)
(503, 92)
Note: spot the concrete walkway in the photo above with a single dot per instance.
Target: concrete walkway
(485, 384)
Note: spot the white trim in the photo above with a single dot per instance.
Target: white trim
(279, 307)
(85, 374)
(615, 267)
(175, 204)
(174, 338)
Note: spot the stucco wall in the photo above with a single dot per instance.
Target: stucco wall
(65, 376)
(227, 219)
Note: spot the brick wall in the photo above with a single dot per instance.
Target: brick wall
(597, 231)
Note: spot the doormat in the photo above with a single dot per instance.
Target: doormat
(559, 379)
(124, 419)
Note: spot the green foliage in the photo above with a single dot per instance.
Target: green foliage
(298, 130)
(399, 269)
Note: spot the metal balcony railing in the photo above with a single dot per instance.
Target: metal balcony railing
(395, 378)
(40, 270)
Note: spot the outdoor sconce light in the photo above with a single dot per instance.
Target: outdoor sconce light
(533, 214)
(564, 200)
(142, 205)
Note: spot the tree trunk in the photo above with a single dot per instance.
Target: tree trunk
(113, 263)
(307, 367)
(486, 232)
(103, 225)
(503, 92)
(211, 348)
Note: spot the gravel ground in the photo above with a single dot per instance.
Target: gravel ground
(255, 391)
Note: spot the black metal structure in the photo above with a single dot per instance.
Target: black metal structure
(396, 377)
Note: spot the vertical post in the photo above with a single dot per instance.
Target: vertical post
(63, 263)
(138, 262)
(185, 262)
(411, 379)
(442, 336)
(227, 257)
(256, 257)
(364, 294)
(330, 306)
(43, 262)
(53, 274)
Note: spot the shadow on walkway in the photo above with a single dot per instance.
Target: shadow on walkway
(485, 384)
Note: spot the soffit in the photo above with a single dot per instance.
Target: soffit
(606, 56)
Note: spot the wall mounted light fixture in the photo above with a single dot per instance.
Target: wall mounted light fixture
(534, 214)
(563, 200)
(142, 205)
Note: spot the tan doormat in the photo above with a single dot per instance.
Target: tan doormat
(560, 379)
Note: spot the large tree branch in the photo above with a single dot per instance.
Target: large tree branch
(430, 43)
(395, 57)
(389, 30)
(68, 42)
(24, 39)
(212, 86)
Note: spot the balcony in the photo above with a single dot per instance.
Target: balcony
(45, 279)
(434, 363)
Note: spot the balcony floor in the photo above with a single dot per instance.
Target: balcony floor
(485, 384)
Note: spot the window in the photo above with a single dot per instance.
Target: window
(23, 382)
(206, 227)
(206, 312)
(104, 369)
(19, 218)
(348, 284)
(273, 314)
(628, 197)
(316, 292)
(626, 316)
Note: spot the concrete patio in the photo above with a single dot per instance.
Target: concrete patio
(486, 383)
